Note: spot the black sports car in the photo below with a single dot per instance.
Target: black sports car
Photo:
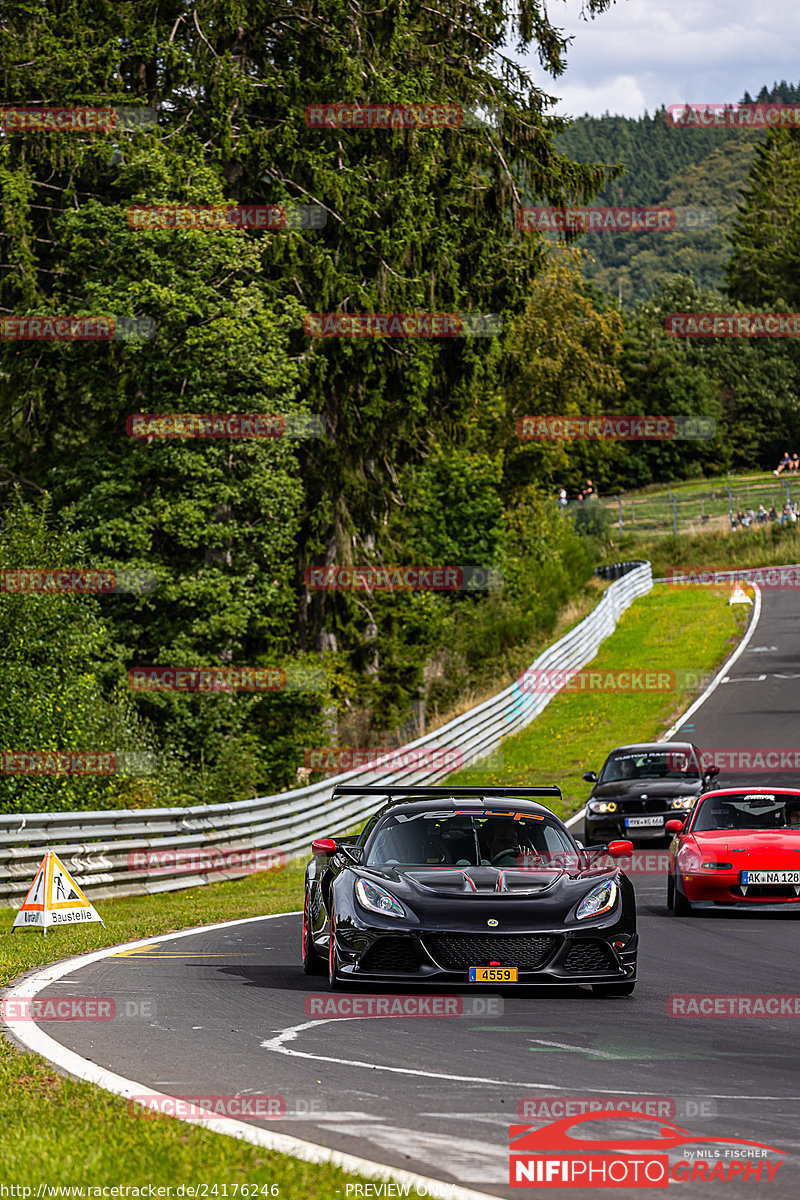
(643, 786)
(467, 885)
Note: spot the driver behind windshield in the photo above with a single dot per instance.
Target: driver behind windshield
(500, 843)
(793, 815)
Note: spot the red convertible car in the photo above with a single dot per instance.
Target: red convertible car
(738, 849)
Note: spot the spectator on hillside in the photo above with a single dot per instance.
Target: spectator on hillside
(794, 465)
(562, 497)
(773, 515)
(761, 515)
(785, 462)
(588, 491)
(749, 516)
(784, 517)
(739, 518)
(580, 497)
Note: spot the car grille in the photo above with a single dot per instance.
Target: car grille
(773, 891)
(587, 957)
(392, 954)
(653, 804)
(458, 951)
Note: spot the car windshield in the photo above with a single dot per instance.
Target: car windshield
(751, 810)
(650, 764)
(453, 839)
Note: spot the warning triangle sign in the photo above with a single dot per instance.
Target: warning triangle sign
(739, 595)
(54, 898)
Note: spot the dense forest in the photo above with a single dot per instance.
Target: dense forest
(679, 168)
(419, 460)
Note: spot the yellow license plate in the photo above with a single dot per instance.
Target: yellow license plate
(493, 975)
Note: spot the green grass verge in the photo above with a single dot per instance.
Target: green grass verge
(75, 1133)
(649, 511)
(666, 630)
(721, 551)
(56, 1130)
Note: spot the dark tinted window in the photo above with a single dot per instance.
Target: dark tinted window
(750, 810)
(446, 839)
(653, 764)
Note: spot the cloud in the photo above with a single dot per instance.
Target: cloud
(640, 55)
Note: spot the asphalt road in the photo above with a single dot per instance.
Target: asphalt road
(436, 1095)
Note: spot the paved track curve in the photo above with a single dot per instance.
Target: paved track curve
(436, 1096)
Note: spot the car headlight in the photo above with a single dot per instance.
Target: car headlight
(602, 806)
(684, 802)
(599, 900)
(377, 899)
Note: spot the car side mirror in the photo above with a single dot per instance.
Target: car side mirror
(674, 826)
(620, 849)
(590, 776)
(323, 846)
(354, 853)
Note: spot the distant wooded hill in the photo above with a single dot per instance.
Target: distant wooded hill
(669, 166)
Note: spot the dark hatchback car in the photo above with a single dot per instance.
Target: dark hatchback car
(641, 787)
(467, 885)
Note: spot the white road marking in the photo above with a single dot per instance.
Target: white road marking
(723, 671)
(465, 1158)
(29, 1034)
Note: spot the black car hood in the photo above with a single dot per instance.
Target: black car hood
(474, 882)
(652, 788)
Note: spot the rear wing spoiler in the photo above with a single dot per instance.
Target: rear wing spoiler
(369, 789)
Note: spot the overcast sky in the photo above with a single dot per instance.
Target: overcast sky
(645, 53)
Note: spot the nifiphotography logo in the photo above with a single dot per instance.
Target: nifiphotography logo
(554, 1156)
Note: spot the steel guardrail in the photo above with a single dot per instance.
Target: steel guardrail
(104, 849)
